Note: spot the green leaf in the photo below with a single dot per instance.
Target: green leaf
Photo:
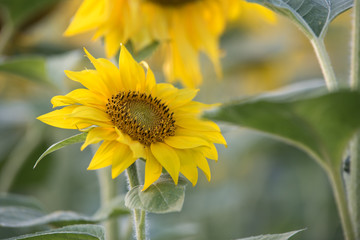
(19, 11)
(163, 196)
(143, 53)
(311, 16)
(322, 126)
(32, 68)
(75, 232)
(281, 236)
(20, 211)
(63, 143)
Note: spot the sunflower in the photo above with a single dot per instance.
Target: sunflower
(136, 118)
(145, 21)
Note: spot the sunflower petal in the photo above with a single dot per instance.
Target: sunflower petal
(197, 125)
(130, 71)
(183, 142)
(89, 79)
(61, 118)
(188, 165)
(168, 158)
(103, 156)
(153, 170)
(122, 159)
(85, 112)
(203, 164)
(81, 96)
(98, 134)
(86, 18)
(108, 73)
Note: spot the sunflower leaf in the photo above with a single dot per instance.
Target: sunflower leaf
(311, 16)
(281, 236)
(32, 68)
(63, 143)
(163, 196)
(144, 52)
(80, 232)
(321, 125)
(19, 11)
(20, 211)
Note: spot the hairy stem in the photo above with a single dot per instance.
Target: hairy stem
(340, 199)
(325, 64)
(139, 215)
(354, 182)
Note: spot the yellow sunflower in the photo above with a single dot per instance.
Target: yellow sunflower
(137, 118)
(185, 27)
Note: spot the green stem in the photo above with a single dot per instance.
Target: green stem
(107, 193)
(325, 63)
(6, 35)
(354, 185)
(139, 215)
(340, 198)
(354, 181)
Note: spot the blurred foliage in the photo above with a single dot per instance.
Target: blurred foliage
(258, 185)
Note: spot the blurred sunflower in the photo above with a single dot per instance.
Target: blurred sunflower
(145, 21)
(137, 118)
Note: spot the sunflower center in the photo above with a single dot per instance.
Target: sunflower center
(142, 117)
(170, 3)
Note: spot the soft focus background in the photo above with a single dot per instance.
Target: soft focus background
(258, 185)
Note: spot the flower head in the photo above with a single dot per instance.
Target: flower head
(135, 117)
(145, 21)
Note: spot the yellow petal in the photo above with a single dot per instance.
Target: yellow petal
(98, 134)
(122, 159)
(91, 80)
(168, 158)
(136, 147)
(197, 125)
(90, 113)
(183, 97)
(112, 43)
(203, 164)
(86, 18)
(103, 156)
(188, 165)
(183, 142)
(108, 73)
(213, 136)
(130, 71)
(61, 119)
(150, 78)
(153, 170)
(210, 152)
(81, 96)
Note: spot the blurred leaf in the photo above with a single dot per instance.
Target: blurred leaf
(63, 143)
(20, 211)
(281, 236)
(163, 196)
(14, 200)
(116, 207)
(76, 232)
(146, 51)
(321, 126)
(143, 53)
(20, 11)
(32, 68)
(311, 16)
